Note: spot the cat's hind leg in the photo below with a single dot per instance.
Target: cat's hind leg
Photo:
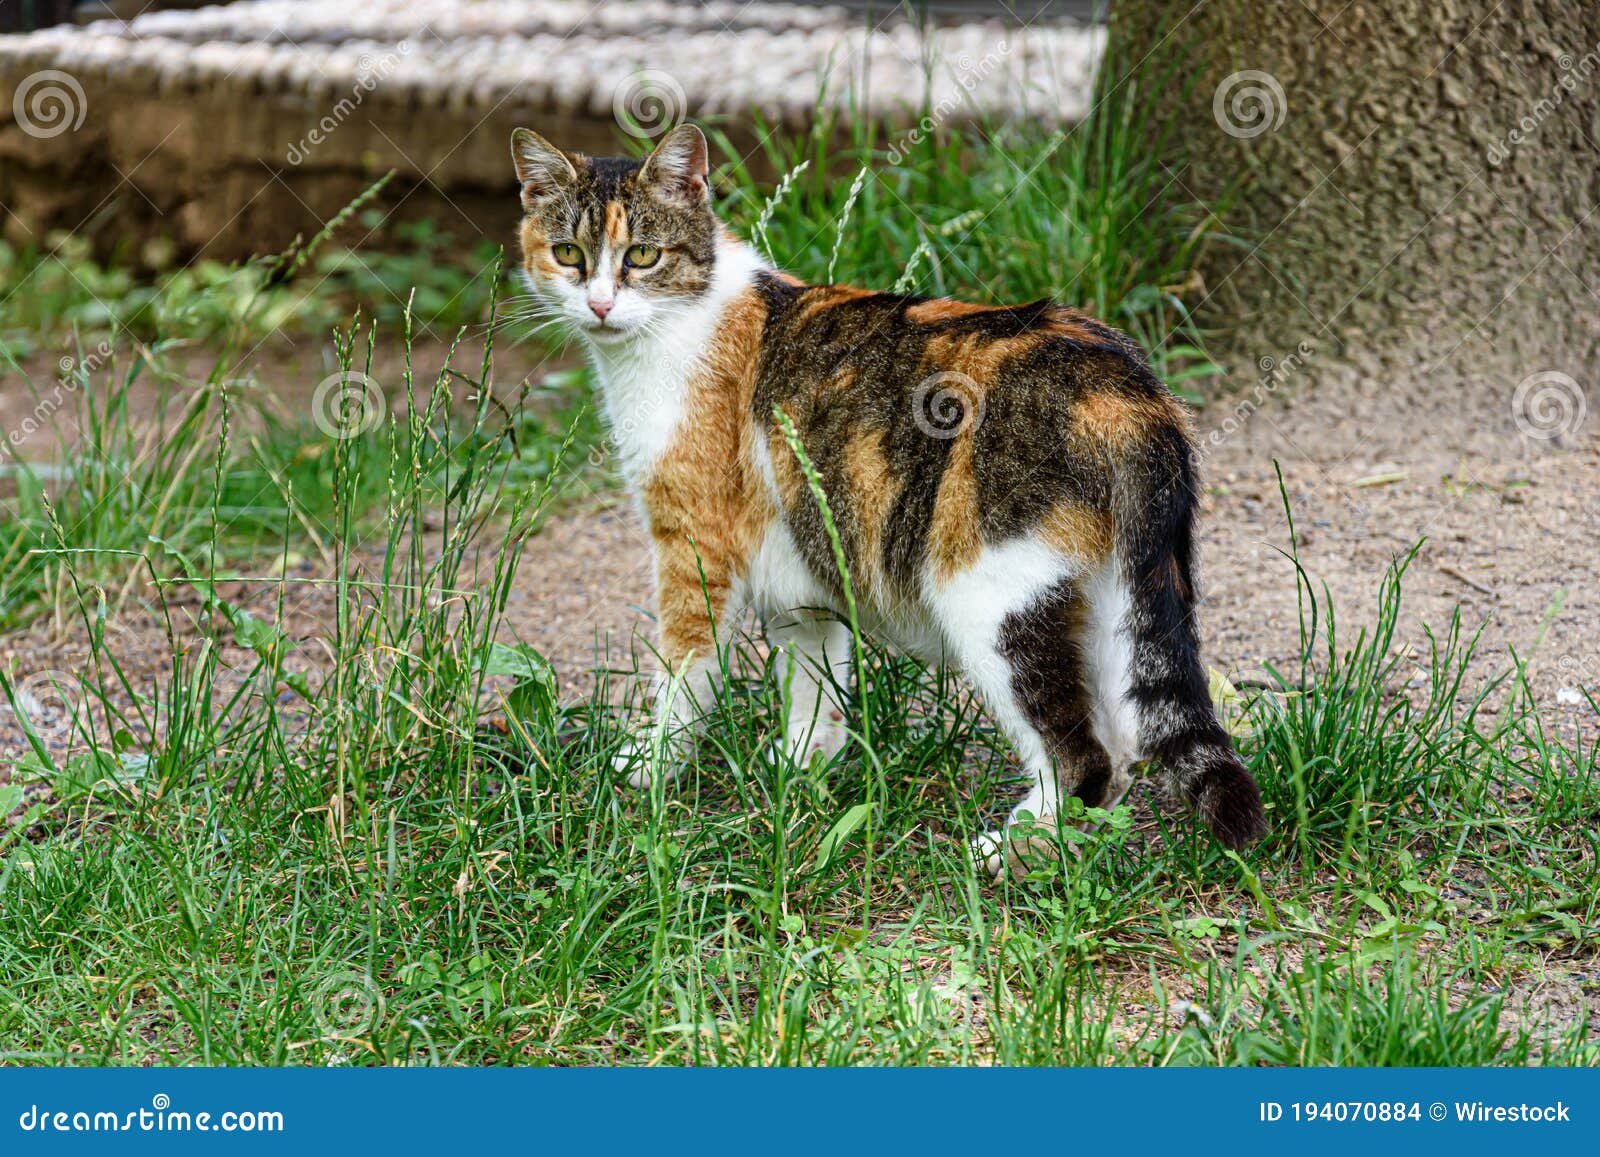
(1014, 623)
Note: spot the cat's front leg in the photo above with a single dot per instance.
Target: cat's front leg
(683, 693)
(696, 612)
(811, 664)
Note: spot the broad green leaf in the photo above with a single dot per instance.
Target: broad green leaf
(840, 832)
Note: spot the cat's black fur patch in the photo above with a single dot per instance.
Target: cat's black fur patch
(1043, 646)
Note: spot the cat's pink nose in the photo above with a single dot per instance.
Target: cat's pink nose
(600, 308)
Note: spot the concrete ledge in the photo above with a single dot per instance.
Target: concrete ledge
(231, 129)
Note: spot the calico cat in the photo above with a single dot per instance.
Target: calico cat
(1014, 490)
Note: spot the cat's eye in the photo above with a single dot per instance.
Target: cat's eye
(568, 255)
(641, 256)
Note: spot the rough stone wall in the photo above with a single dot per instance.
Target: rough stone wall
(1416, 181)
(233, 128)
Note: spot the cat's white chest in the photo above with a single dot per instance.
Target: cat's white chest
(644, 388)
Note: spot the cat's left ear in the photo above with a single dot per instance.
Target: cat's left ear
(678, 169)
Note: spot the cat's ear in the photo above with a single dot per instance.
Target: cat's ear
(677, 170)
(542, 168)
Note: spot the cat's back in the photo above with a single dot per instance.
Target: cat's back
(1036, 375)
(938, 426)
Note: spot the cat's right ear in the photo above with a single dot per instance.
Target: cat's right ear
(543, 169)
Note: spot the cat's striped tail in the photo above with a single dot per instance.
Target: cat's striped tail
(1178, 726)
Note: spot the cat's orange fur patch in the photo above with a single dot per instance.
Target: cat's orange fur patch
(874, 489)
(954, 537)
(1120, 420)
(978, 357)
(1077, 531)
(1074, 326)
(786, 472)
(838, 382)
(1170, 575)
(941, 309)
(827, 296)
(536, 252)
(709, 508)
(616, 225)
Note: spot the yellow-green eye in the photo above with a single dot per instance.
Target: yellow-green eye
(641, 256)
(569, 255)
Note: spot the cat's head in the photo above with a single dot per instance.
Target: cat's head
(615, 247)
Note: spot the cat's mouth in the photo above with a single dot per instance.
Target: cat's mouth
(599, 329)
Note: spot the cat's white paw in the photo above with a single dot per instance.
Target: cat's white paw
(988, 852)
(803, 744)
(826, 739)
(635, 762)
(1016, 850)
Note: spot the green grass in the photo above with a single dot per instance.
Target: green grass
(60, 288)
(398, 841)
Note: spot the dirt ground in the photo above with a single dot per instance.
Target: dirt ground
(1510, 526)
